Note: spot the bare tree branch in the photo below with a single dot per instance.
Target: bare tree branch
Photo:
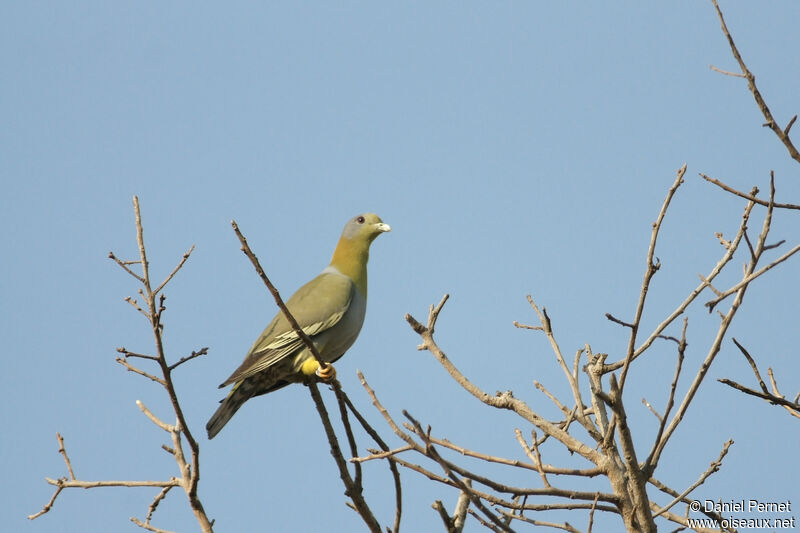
(148, 527)
(533, 453)
(72, 482)
(572, 377)
(189, 468)
(783, 134)
(774, 397)
(175, 270)
(352, 490)
(649, 272)
(730, 250)
(712, 303)
(649, 465)
(541, 523)
(725, 323)
(500, 401)
(746, 196)
(714, 467)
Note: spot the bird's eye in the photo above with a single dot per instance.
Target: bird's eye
(360, 220)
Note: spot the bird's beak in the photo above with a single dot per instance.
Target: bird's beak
(383, 227)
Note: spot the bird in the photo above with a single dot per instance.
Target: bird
(330, 309)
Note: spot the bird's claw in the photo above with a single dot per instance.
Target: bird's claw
(326, 373)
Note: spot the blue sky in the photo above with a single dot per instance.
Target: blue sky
(514, 148)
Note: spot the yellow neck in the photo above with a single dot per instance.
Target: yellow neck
(350, 258)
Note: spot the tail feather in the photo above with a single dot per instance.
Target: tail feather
(230, 405)
(261, 383)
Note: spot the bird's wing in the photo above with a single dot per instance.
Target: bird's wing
(317, 306)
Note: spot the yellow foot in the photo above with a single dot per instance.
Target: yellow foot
(326, 373)
(310, 367)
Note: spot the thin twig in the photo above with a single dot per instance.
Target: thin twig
(154, 505)
(712, 303)
(484, 523)
(540, 523)
(730, 250)
(652, 409)
(276, 295)
(572, 378)
(124, 265)
(65, 483)
(351, 489)
(782, 134)
(380, 455)
(713, 467)
(752, 364)
(533, 453)
(136, 306)
(650, 270)
(745, 195)
(721, 331)
(672, 492)
(587, 472)
(398, 489)
(191, 473)
(47, 506)
(125, 353)
(147, 526)
(185, 358)
(430, 451)
(512, 505)
(649, 467)
(526, 326)
(351, 439)
(63, 451)
(152, 308)
(175, 270)
(777, 400)
(591, 514)
(499, 401)
(139, 371)
(446, 519)
(727, 72)
(612, 318)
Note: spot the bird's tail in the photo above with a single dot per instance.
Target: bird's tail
(230, 405)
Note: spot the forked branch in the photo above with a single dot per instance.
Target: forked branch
(189, 467)
(774, 397)
(771, 123)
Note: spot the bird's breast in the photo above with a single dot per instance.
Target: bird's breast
(337, 340)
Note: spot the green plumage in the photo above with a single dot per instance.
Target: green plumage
(330, 309)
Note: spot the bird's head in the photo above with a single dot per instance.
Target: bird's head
(352, 252)
(364, 228)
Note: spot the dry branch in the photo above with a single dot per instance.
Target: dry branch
(188, 467)
(613, 452)
(746, 196)
(714, 467)
(771, 123)
(775, 397)
(352, 490)
(650, 270)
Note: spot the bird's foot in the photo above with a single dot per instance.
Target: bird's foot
(326, 373)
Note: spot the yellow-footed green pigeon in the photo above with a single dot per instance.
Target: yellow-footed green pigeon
(330, 309)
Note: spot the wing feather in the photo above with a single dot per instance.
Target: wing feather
(317, 306)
